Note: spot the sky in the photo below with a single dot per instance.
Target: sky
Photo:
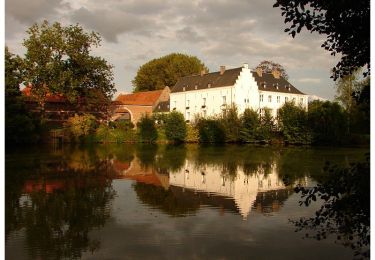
(218, 32)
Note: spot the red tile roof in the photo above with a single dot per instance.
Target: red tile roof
(147, 98)
(49, 97)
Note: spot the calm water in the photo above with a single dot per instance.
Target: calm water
(151, 202)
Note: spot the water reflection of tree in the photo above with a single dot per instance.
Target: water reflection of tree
(57, 222)
(171, 158)
(165, 200)
(345, 212)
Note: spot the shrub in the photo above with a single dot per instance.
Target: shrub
(267, 123)
(293, 123)
(79, 127)
(146, 129)
(175, 127)
(192, 134)
(231, 124)
(249, 125)
(328, 122)
(211, 131)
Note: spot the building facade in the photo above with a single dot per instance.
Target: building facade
(209, 94)
(133, 106)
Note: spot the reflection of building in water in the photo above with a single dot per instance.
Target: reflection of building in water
(134, 171)
(243, 188)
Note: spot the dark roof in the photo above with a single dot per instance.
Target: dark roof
(229, 77)
(215, 80)
(272, 83)
(162, 107)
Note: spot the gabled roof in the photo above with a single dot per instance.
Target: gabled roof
(147, 98)
(273, 84)
(193, 82)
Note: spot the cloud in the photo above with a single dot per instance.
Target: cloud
(29, 12)
(309, 80)
(110, 24)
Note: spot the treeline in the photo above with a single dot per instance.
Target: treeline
(323, 123)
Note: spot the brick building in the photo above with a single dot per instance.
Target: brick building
(133, 106)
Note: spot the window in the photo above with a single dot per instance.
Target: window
(294, 100)
(204, 113)
(204, 101)
(278, 99)
(286, 99)
(301, 101)
(269, 98)
(188, 116)
(261, 98)
(188, 103)
(224, 100)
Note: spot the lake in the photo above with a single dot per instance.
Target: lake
(164, 202)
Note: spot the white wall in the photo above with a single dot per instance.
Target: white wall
(244, 94)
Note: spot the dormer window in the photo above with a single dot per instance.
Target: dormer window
(209, 85)
(183, 89)
(196, 86)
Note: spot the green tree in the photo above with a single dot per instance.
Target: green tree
(211, 131)
(147, 129)
(20, 126)
(327, 121)
(346, 25)
(293, 123)
(232, 124)
(59, 61)
(80, 126)
(250, 124)
(267, 123)
(269, 66)
(175, 127)
(165, 71)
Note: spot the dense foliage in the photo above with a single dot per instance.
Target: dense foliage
(80, 127)
(20, 125)
(250, 125)
(346, 25)
(59, 61)
(165, 71)
(147, 129)
(328, 122)
(211, 130)
(175, 127)
(293, 123)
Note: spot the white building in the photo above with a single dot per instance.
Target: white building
(208, 94)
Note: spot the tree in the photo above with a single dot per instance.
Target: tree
(293, 122)
(20, 126)
(165, 71)
(346, 25)
(327, 121)
(175, 127)
(59, 62)
(231, 123)
(269, 66)
(345, 89)
(249, 125)
(147, 129)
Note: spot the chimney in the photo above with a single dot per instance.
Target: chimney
(222, 70)
(203, 71)
(259, 72)
(276, 73)
(246, 66)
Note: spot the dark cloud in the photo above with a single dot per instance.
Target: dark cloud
(112, 23)
(190, 35)
(29, 12)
